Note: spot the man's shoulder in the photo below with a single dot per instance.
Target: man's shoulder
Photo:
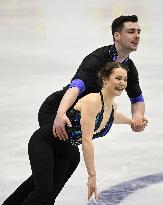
(101, 53)
(101, 50)
(130, 61)
(132, 69)
(97, 56)
(131, 64)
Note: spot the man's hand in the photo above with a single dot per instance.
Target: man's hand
(139, 123)
(59, 126)
(92, 188)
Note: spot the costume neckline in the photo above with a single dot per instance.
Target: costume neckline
(114, 54)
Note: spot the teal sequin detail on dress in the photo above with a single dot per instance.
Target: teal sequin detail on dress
(75, 133)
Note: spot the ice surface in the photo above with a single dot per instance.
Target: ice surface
(42, 44)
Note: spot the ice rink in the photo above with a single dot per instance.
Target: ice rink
(42, 43)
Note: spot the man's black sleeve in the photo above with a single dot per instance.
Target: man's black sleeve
(85, 74)
(133, 89)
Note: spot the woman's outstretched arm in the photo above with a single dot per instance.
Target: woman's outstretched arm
(88, 115)
(120, 118)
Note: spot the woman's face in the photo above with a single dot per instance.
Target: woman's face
(117, 81)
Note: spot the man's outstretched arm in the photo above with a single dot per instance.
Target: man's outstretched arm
(137, 100)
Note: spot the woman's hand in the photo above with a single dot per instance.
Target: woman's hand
(92, 188)
(139, 123)
(59, 126)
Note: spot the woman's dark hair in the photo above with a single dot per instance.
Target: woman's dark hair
(118, 23)
(108, 69)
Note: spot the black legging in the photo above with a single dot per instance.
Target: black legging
(52, 162)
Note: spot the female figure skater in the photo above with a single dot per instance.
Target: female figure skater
(50, 158)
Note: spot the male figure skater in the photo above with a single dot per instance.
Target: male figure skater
(126, 37)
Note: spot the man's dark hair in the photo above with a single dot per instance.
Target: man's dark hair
(118, 23)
